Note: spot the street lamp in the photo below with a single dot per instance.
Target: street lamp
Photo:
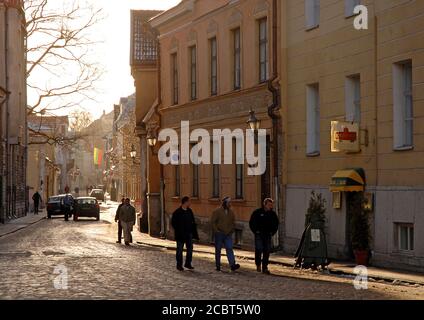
(253, 122)
(133, 152)
(152, 140)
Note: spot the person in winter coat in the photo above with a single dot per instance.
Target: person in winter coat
(119, 222)
(264, 224)
(127, 219)
(223, 226)
(37, 199)
(185, 231)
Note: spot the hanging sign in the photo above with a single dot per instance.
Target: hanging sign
(344, 136)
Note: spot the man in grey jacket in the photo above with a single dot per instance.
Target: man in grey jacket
(127, 219)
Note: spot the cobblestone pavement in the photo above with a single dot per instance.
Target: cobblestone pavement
(98, 268)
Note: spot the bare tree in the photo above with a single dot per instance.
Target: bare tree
(59, 48)
(60, 71)
(80, 119)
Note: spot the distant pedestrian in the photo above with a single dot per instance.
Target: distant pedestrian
(127, 218)
(37, 199)
(185, 231)
(119, 222)
(223, 225)
(68, 203)
(264, 224)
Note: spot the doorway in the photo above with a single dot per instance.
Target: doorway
(353, 206)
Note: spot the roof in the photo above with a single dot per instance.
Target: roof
(127, 113)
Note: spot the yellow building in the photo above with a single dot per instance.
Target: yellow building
(372, 78)
(215, 65)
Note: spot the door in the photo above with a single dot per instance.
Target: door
(353, 205)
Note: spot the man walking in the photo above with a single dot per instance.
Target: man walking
(185, 231)
(264, 224)
(68, 202)
(223, 225)
(119, 222)
(37, 199)
(127, 218)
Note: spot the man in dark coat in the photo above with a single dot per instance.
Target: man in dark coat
(264, 224)
(37, 199)
(119, 222)
(185, 231)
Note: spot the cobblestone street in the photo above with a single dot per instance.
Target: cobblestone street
(98, 268)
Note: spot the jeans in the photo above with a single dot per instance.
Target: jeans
(262, 250)
(36, 204)
(189, 255)
(119, 231)
(226, 240)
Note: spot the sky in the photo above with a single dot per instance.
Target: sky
(113, 53)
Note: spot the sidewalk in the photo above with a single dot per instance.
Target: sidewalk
(20, 223)
(339, 268)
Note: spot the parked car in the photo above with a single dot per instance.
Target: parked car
(99, 194)
(87, 207)
(55, 206)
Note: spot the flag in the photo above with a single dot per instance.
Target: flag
(98, 156)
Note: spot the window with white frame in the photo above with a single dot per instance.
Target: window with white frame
(215, 171)
(353, 98)
(313, 119)
(350, 7)
(263, 50)
(193, 72)
(237, 58)
(239, 168)
(175, 88)
(312, 13)
(213, 66)
(404, 236)
(403, 115)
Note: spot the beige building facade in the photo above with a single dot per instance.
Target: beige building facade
(13, 128)
(372, 78)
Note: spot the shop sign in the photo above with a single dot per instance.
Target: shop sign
(344, 136)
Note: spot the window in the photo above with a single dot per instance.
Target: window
(312, 13)
(313, 119)
(193, 73)
(353, 98)
(263, 50)
(174, 61)
(195, 173)
(214, 67)
(239, 168)
(405, 236)
(403, 117)
(350, 7)
(237, 59)
(177, 181)
(215, 172)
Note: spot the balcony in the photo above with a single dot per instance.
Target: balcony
(144, 39)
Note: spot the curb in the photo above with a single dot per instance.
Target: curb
(21, 228)
(333, 271)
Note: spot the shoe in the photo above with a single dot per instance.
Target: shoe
(235, 267)
(266, 271)
(190, 267)
(179, 268)
(118, 241)
(258, 268)
(218, 269)
(127, 243)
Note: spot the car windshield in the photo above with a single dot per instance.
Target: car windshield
(86, 201)
(97, 192)
(54, 199)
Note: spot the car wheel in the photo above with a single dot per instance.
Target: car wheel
(97, 218)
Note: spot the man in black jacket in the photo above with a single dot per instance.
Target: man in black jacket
(119, 222)
(185, 231)
(264, 224)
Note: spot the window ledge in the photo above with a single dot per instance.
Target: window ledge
(405, 148)
(214, 199)
(241, 200)
(312, 28)
(313, 154)
(176, 198)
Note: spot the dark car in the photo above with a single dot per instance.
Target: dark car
(87, 207)
(55, 206)
(99, 194)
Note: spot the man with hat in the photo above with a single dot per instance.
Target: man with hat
(223, 225)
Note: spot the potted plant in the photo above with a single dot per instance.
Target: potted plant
(360, 231)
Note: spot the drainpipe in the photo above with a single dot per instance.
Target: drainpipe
(6, 69)
(273, 109)
(162, 182)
